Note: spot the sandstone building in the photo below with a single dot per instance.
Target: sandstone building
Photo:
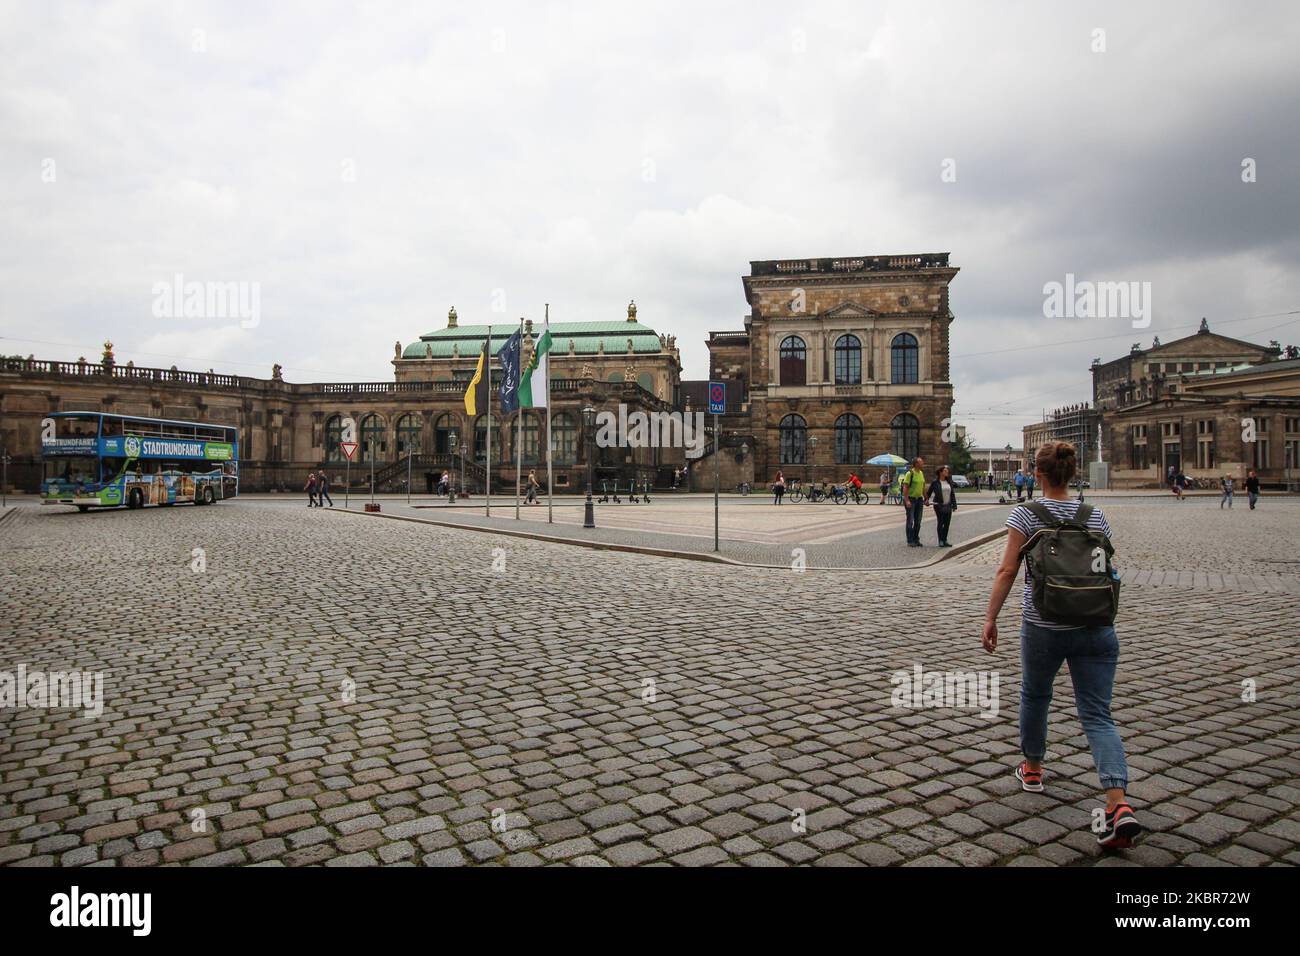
(840, 360)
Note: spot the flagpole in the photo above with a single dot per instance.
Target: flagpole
(487, 475)
(546, 373)
(519, 422)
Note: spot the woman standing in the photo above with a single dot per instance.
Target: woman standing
(778, 488)
(884, 486)
(944, 498)
(1092, 652)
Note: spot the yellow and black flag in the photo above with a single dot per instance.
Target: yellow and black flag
(476, 396)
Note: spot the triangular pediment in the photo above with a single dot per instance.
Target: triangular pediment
(850, 310)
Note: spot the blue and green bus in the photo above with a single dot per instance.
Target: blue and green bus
(100, 460)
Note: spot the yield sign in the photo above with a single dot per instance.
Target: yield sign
(349, 449)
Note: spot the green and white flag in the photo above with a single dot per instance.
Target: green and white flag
(535, 390)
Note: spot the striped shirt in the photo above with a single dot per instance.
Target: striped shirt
(1026, 522)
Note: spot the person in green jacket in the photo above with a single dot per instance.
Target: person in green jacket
(912, 485)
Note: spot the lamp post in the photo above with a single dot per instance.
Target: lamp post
(4, 477)
(464, 451)
(589, 426)
(451, 475)
(812, 456)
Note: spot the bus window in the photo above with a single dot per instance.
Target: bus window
(110, 468)
(112, 426)
(76, 426)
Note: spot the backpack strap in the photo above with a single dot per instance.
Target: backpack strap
(1083, 514)
(1039, 511)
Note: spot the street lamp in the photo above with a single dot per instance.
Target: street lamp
(589, 425)
(451, 480)
(464, 451)
(812, 455)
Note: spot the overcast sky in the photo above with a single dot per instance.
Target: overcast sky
(370, 165)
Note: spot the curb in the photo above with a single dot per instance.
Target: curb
(666, 553)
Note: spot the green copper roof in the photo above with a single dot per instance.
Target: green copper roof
(586, 337)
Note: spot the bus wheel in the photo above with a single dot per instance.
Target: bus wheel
(136, 500)
(207, 497)
(83, 508)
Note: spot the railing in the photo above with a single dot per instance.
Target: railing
(928, 260)
(98, 370)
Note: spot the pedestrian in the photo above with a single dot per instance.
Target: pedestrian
(1029, 485)
(311, 489)
(1091, 650)
(912, 488)
(1180, 482)
(1019, 480)
(944, 499)
(778, 488)
(884, 486)
(1252, 488)
(323, 489)
(1226, 484)
(533, 486)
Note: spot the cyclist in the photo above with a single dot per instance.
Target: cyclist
(854, 485)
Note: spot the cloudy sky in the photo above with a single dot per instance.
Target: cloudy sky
(369, 165)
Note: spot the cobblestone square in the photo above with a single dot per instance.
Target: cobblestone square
(323, 688)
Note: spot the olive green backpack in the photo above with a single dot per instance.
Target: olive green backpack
(1074, 581)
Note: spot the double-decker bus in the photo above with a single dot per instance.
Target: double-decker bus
(99, 460)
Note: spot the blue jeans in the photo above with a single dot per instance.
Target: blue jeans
(1092, 653)
(914, 512)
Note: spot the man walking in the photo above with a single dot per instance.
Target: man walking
(1029, 484)
(912, 488)
(1020, 485)
(323, 489)
(1252, 488)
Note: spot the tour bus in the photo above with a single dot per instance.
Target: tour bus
(98, 460)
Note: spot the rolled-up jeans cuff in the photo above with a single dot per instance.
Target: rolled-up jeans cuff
(1111, 783)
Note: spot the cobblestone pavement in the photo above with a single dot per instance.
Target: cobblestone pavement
(344, 690)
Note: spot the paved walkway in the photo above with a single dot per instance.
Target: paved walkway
(331, 689)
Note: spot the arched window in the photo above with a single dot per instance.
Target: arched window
(333, 437)
(442, 431)
(848, 360)
(905, 431)
(408, 435)
(848, 440)
(794, 440)
(374, 440)
(480, 438)
(564, 439)
(794, 361)
(903, 359)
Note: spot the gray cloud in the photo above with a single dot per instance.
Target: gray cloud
(583, 155)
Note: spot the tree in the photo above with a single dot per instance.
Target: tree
(959, 456)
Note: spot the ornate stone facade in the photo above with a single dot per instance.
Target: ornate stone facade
(840, 360)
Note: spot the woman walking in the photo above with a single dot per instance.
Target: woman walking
(943, 497)
(1225, 483)
(1092, 652)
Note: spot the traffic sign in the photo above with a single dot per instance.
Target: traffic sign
(717, 398)
(349, 449)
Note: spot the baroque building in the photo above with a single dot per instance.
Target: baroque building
(414, 424)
